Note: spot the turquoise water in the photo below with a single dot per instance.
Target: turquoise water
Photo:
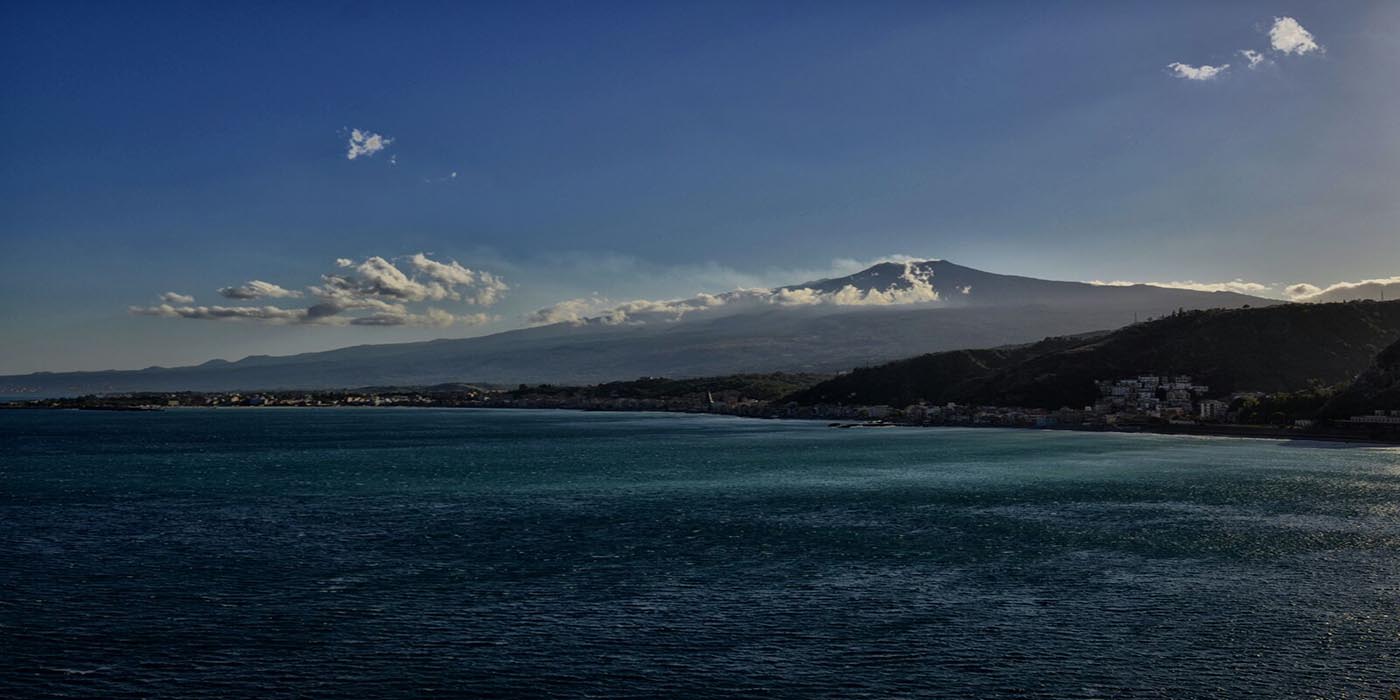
(398, 553)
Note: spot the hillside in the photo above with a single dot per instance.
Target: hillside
(883, 313)
(1377, 388)
(1279, 348)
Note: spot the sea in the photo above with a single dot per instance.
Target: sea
(407, 553)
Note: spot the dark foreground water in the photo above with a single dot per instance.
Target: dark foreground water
(403, 553)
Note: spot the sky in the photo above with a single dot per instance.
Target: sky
(399, 173)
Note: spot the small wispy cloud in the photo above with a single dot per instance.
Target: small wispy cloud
(1254, 57)
(176, 298)
(262, 313)
(365, 144)
(1287, 36)
(257, 289)
(1189, 72)
(445, 178)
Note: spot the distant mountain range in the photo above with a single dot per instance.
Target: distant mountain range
(885, 312)
(1275, 349)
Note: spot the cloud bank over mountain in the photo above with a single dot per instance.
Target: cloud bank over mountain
(913, 286)
(1383, 288)
(1238, 285)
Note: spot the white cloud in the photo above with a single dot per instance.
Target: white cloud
(447, 273)
(1238, 286)
(1381, 288)
(630, 276)
(374, 292)
(1302, 290)
(365, 143)
(640, 311)
(263, 313)
(485, 289)
(1188, 72)
(1289, 37)
(257, 289)
(1286, 36)
(436, 318)
(914, 286)
(379, 279)
(570, 311)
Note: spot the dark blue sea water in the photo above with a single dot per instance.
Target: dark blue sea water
(403, 553)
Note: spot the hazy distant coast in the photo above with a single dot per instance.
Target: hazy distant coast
(731, 405)
(1319, 370)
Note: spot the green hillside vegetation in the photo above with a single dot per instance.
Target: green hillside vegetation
(1378, 388)
(1285, 348)
(1284, 407)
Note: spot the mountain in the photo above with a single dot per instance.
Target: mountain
(1377, 388)
(887, 311)
(959, 286)
(1278, 348)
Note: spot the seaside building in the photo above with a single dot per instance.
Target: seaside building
(1212, 409)
(1378, 418)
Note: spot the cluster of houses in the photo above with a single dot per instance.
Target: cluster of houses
(1162, 397)
(236, 399)
(319, 398)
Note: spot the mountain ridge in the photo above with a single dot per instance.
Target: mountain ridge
(840, 323)
(1272, 349)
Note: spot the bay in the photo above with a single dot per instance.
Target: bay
(400, 553)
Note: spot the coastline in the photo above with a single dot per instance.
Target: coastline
(1237, 431)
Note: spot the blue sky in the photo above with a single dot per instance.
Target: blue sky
(654, 150)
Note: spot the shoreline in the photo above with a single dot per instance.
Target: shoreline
(1237, 431)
